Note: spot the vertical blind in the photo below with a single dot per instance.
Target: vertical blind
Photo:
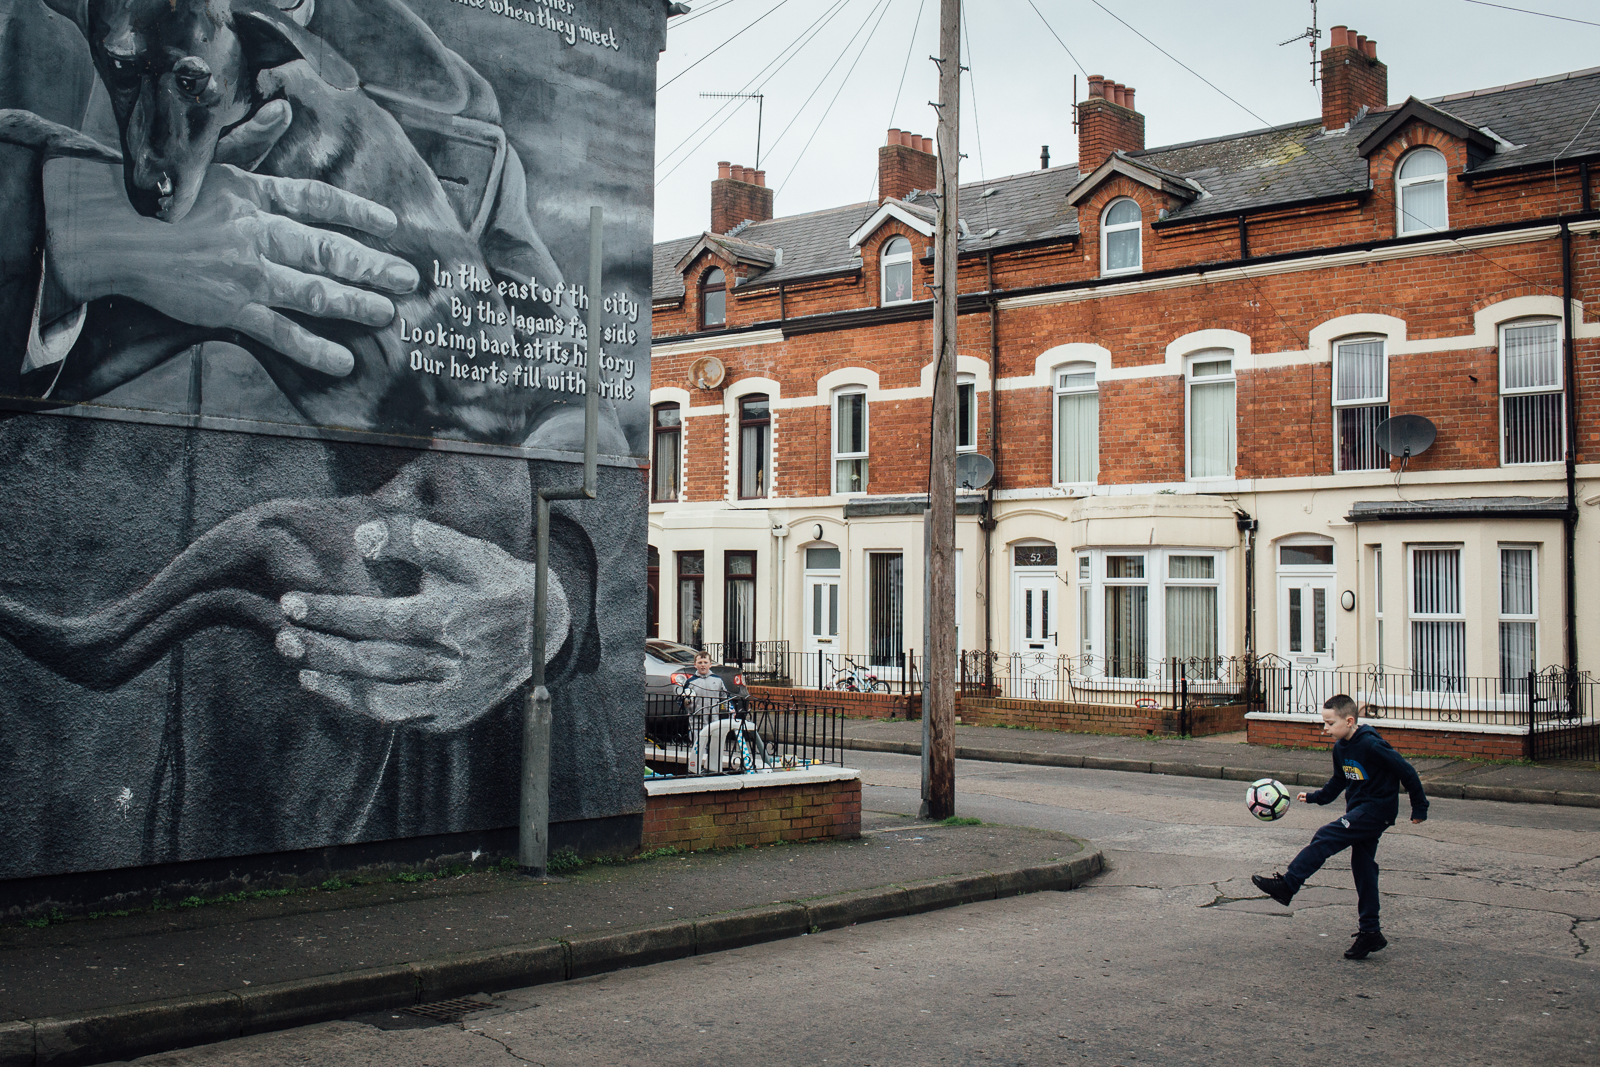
(1211, 425)
(885, 608)
(1530, 367)
(1438, 642)
(1517, 635)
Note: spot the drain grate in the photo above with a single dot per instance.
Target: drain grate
(449, 1011)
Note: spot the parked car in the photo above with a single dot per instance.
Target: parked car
(666, 665)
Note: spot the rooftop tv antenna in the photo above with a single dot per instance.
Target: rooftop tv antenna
(760, 107)
(1311, 36)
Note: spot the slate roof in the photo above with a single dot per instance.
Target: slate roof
(1541, 119)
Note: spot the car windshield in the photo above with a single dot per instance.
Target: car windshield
(671, 653)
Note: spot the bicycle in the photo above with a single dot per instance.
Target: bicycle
(855, 679)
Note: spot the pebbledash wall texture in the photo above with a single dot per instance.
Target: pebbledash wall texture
(267, 605)
(1177, 358)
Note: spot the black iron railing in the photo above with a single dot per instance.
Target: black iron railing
(688, 736)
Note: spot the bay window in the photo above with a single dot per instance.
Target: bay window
(1144, 608)
(1519, 617)
(1438, 626)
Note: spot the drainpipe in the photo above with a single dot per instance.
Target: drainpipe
(986, 520)
(1570, 520)
(1248, 525)
(533, 831)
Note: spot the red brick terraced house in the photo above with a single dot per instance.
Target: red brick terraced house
(1183, 362)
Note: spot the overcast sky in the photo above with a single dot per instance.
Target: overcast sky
(1019, 93)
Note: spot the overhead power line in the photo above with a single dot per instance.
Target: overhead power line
(721, 46)
(1527, 11)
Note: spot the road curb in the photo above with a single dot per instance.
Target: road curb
(125, 1032)
(1435, 787)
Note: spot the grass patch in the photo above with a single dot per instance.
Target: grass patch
(960, 820)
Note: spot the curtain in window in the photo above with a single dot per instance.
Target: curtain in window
(1438, 647)
(1530, 357)
(885, 608)
(1422, 206)
(1360, 372)
(1192, 627)
(1078, 440)
(739, 625)
(666, 466)
(1516, 637)
(1211, 423)
(1127, 630)
(753, 461)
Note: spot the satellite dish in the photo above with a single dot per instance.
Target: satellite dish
(1406, 435)
(707, 372)
(973, 470)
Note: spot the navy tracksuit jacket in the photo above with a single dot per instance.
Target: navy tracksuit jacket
(1369, 773)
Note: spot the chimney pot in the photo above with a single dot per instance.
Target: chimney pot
(1097, 85)
(1118, 91)
(1348, 87)
(927, 145)
(1128, 97)
(722, 169)
(761, 178)
(894, 136)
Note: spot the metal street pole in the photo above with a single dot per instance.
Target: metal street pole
(533, 831)
(939, 679)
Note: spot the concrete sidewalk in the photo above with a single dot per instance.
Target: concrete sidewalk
(1228, 756)
(113, 988)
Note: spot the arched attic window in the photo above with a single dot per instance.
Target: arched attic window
(1420, 192)
(713, 299)
(895, 267)
(1121, 238)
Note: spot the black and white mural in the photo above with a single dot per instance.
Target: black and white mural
(292, 328)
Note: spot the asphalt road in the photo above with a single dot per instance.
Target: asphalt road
(1492, 911)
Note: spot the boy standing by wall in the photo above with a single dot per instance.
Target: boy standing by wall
(1369, 773)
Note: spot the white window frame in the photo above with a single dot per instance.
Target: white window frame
(887, 259)
(1559, 391)
(866, 440)
(1213, 355)
(1529, 618)
(1380, 400)
(969, 383)
(1092, 643)
(1062, 388)
(1404, 223)
(1106, 229)
(1438, 681)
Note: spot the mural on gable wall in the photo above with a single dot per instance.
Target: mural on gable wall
(289, 335)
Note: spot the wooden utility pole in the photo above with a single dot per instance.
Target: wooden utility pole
(939, 678)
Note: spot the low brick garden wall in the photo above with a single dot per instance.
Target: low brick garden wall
(1508, 743)
(855, 705)
(1099, 718)
(717, 812)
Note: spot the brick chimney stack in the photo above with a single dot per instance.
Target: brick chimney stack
(1352, 77)
(1107, 123)
(739, 193)
(905, 162)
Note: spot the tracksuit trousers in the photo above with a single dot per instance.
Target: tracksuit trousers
(1358, 830)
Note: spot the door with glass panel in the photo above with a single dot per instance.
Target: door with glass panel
(820, 662)
(1305, 622)
(1035, 621)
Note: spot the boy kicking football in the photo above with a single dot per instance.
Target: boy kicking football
(1369, 773)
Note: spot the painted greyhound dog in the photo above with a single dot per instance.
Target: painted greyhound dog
(182, 73)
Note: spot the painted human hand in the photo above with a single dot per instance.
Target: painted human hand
(437, 659)
(251, 247)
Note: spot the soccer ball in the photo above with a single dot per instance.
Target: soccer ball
(1267, 799)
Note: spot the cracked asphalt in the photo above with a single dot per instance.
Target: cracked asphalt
(1170, 957)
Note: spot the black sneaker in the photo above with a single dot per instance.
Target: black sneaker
(1276, 888)
(1364, 944)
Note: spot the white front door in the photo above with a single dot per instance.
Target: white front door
(1305, 621)
(1035, 620)
(821, 647)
